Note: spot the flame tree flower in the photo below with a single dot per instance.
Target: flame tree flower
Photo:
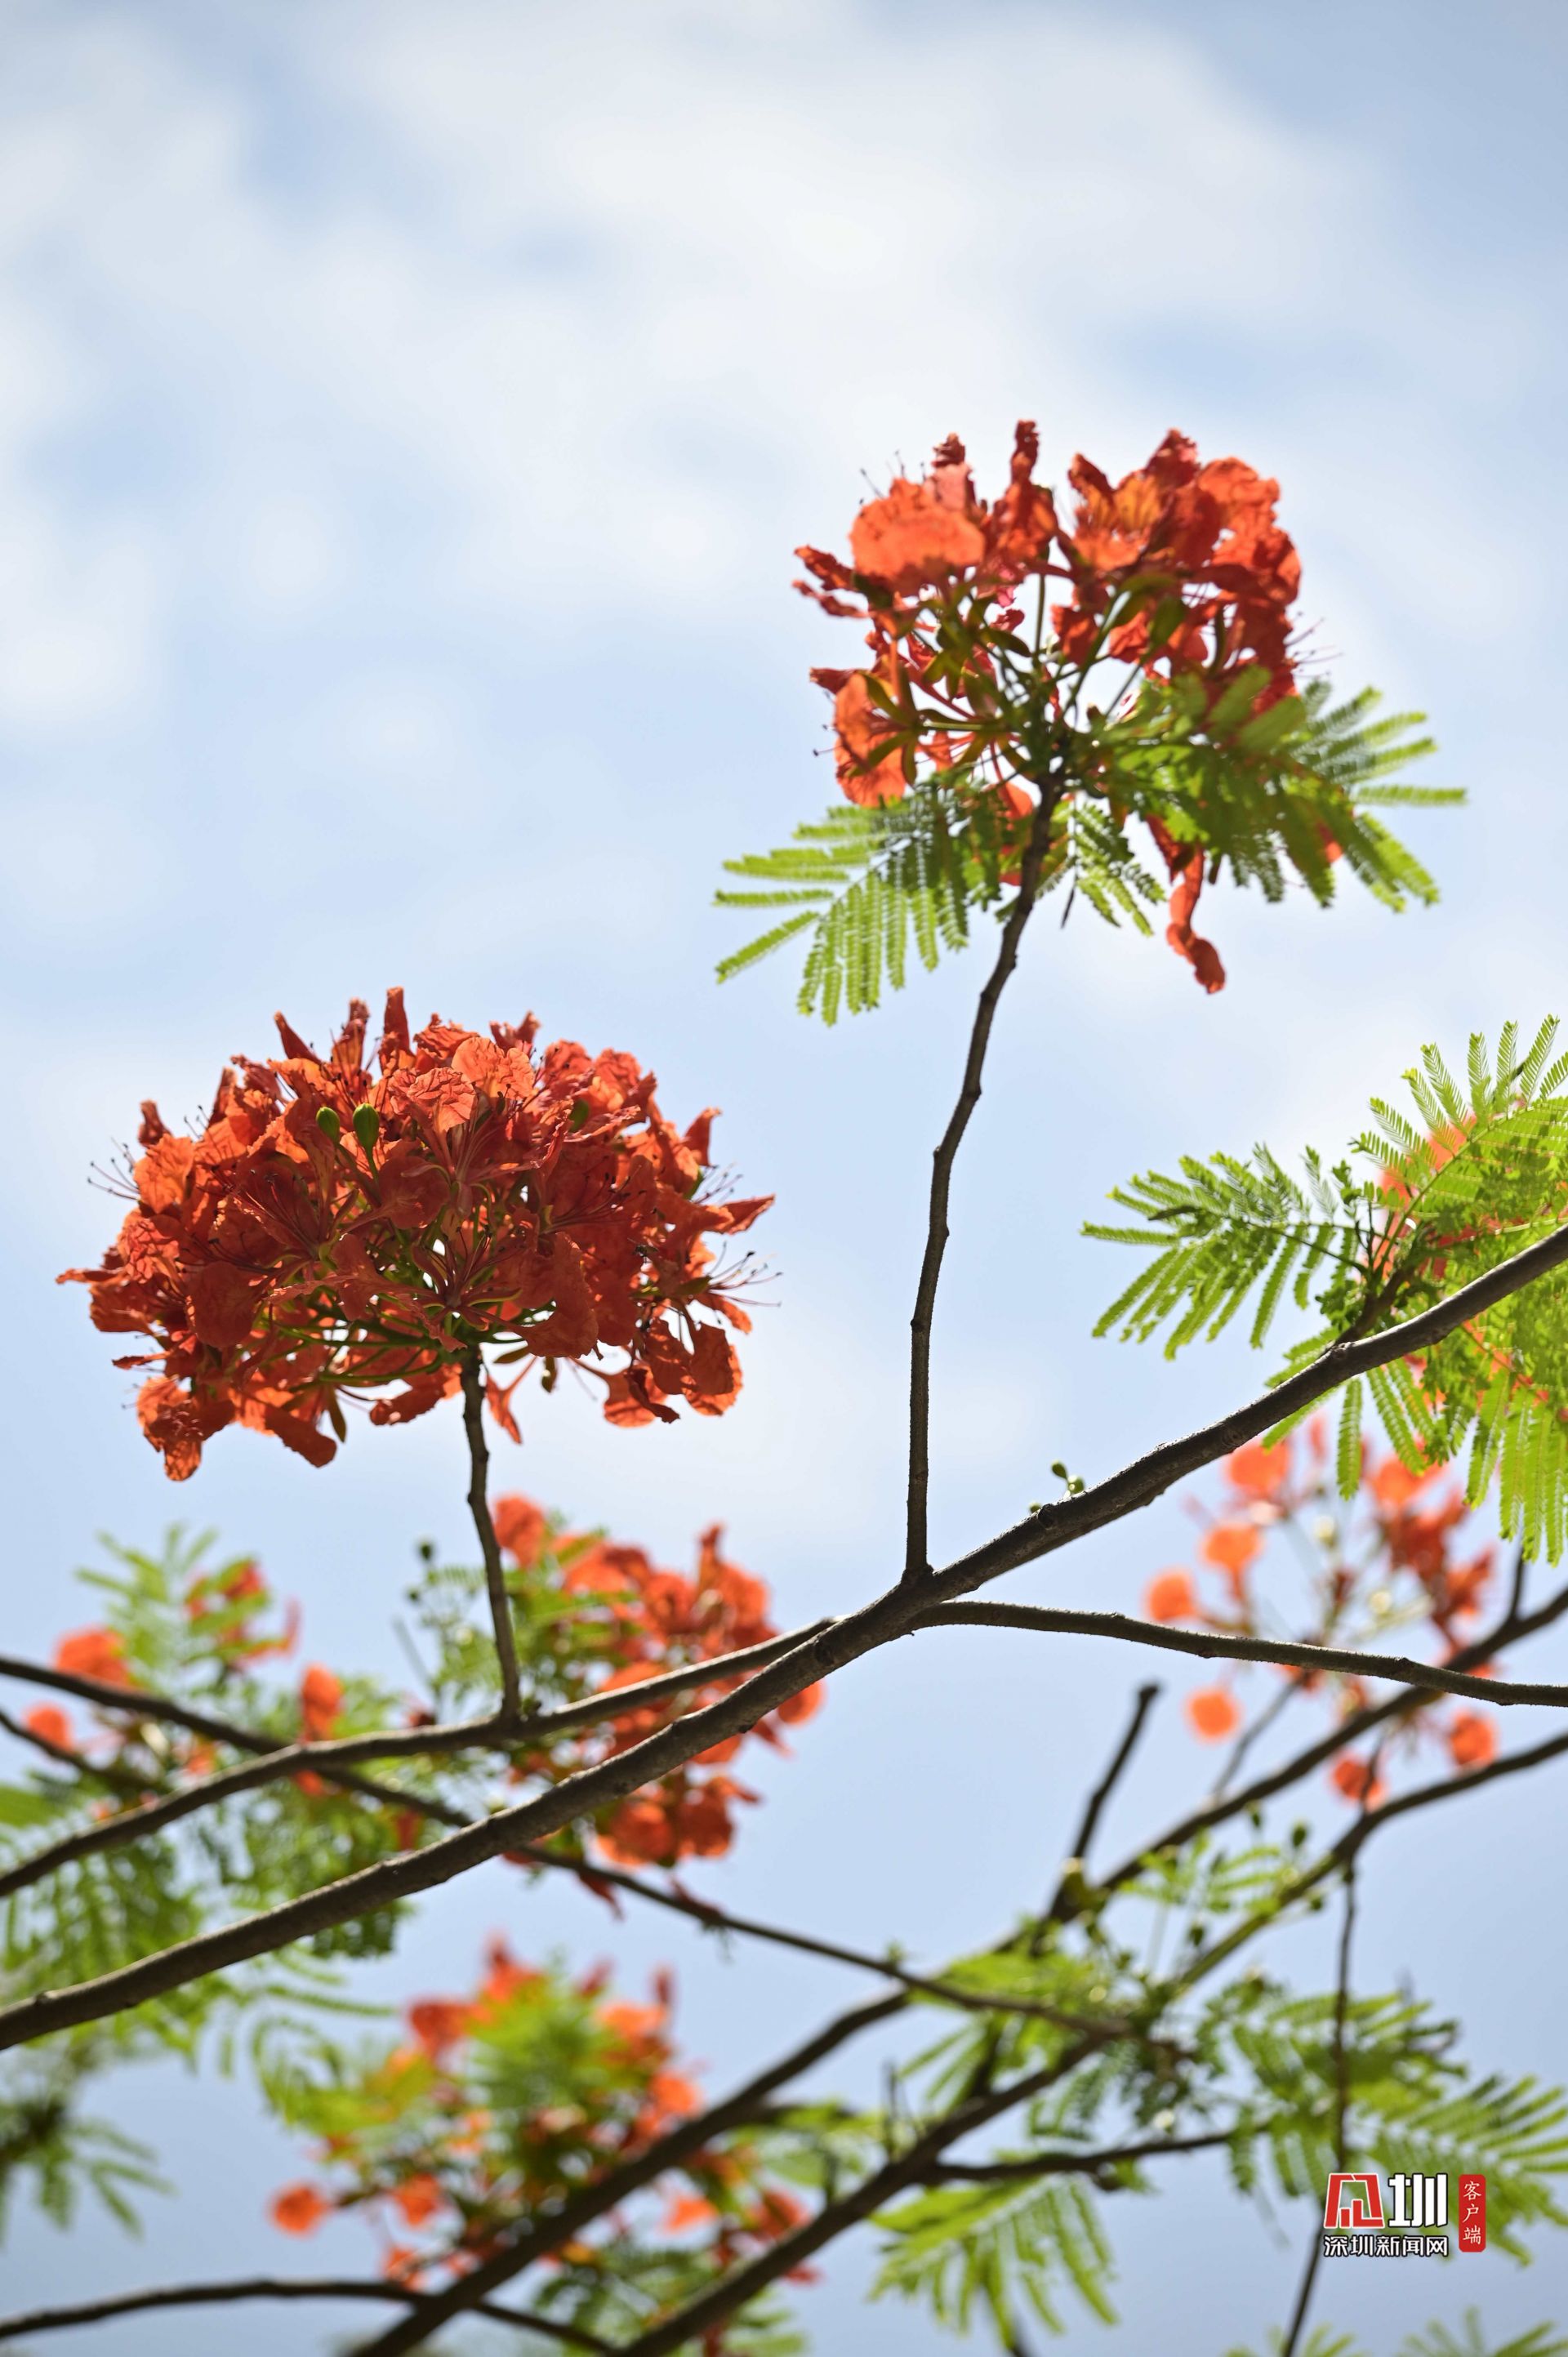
(337, 1232)
(1040, 686)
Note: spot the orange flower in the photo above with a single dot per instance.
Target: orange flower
(50, 1724)
(1170, 1596)
(553, 1212)
(299, 2209)
(94, 1653)
(1358, 1780)
(803, 1704)
(1259, 1471)
(418, 2198)
(913, 537)
(522, 1528)
(1393, 1485)
(1231, 1547)
(1212, 1714)
(685, 2210)
(1472, 1738)
(438, 2023)
(320, 1698)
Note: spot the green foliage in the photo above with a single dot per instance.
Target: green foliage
(1437, 2340)
(1004, 2250)
(49, 2151)
(1261, 797)
(867, 883)
(1472, 1174)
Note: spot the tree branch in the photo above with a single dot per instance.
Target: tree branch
(283, 2287)
(1297, 2324)
(1148, 1476)
(489, 1545)
(1398, 1669)
(914, 1563)
(1070, 2164)
(1350, 1730)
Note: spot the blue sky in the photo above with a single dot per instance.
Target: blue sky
(406, 416)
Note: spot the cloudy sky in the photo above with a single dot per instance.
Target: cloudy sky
(406, 414)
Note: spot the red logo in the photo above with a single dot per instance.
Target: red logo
(1354, 2202)
(1472, 2214)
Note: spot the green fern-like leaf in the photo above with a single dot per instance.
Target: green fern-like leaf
(1462, 1175)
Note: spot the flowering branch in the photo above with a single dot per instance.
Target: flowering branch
(543, 2235)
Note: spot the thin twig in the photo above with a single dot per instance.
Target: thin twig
(1071, 2164)
(1211, 1645)
(1341, 2107)
(60, 1755)
(915, 1565)
(1349, 1730)
(282, 2287)
(489, 1545)
(1142, 1703)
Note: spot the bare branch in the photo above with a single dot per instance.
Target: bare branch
(1143, 1702)
(1396, 1668)
(1297, 2324)
(489, 1545)
(1071, 2164)
(915, 1564)
(281, 2288)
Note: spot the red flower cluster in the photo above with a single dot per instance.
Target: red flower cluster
(434, 2133)
(332, 1232)
(662, 1620)
(1181, 566)
(1180, 569)
(1408, 1534)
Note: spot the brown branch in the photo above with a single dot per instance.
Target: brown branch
(544, 2235)
(329, 1758)
(1148, 1476)
(716, 1919)
(283, 2287)
(1297, 2324)
(1398, 1668)
(1142, 1703)
(489, 1545)
(1071, 2164)
(915, 1565)
(62, 1756)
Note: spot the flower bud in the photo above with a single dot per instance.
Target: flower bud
(328, 1123)
(367, 1127)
